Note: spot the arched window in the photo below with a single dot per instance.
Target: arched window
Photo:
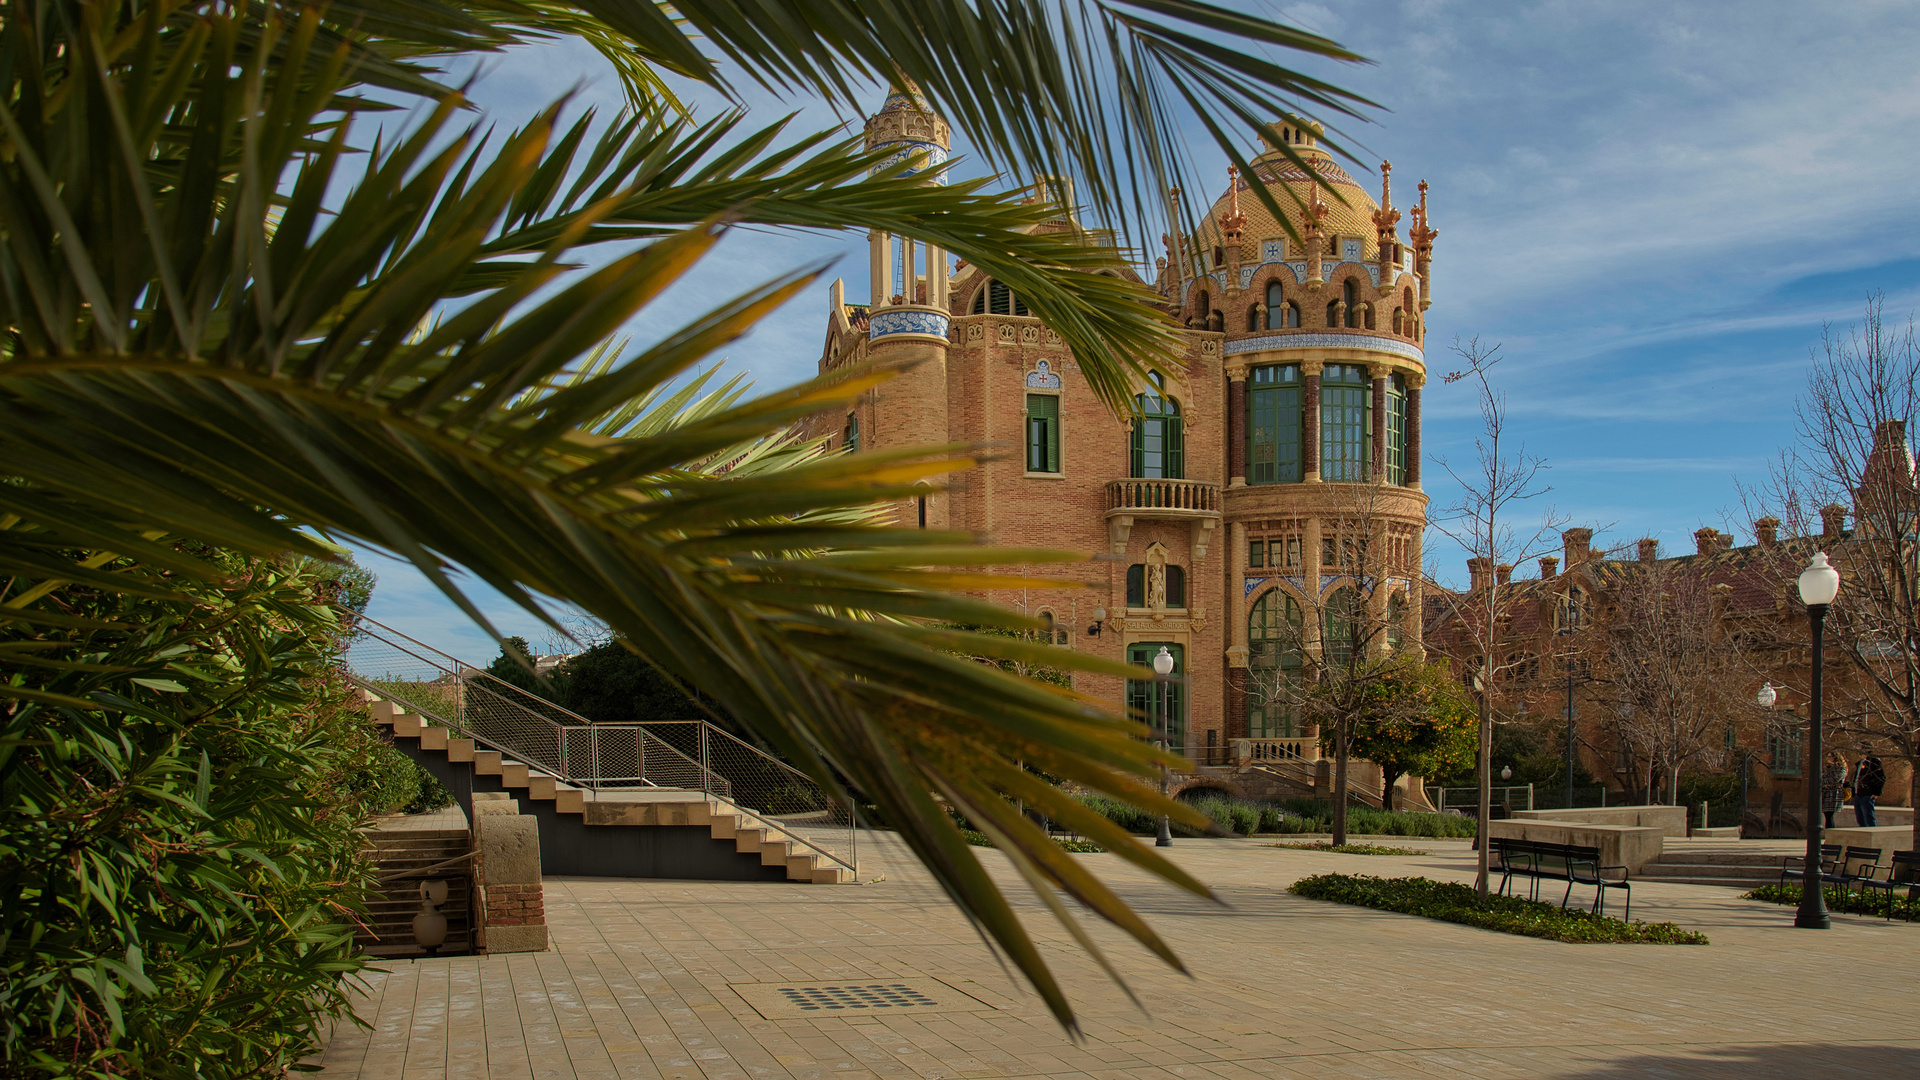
(923, 511)
(1396, 615)
(1273, 425)
(1144, 578)
(1346, 423)
(1253, 317)
(1341, 625)
(1159, 444)
(997, 299)
(1333, 313)
(1137, 585)
(850, 435)
(1219, 255)
(1203, 307)
(1276, 306)
(1273, 662)
(1176, 586)
(1350, 293)
(1292, 316)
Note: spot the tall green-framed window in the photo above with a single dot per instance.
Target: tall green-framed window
(1043, 433)
(1273, 659)
(1397, 430)
(1145, 698)
(1273, 424)
(1346, 423)
(1159, 443)
(850, 435)
(1341, 624)
(1785, 752)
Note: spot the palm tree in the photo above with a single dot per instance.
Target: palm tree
(233, 317)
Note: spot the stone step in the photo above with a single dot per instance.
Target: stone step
(1668, 872)
(1718, 858)
(1742, 884)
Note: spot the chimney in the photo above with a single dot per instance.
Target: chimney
(1767, 531)
(1833, 521)
(1576, 544)
(1723, 542)
(1706, 541)
(1649, 549)
(1478, 576)
(1503, 573)
(1548, 565)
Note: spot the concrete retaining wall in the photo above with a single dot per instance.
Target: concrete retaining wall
(1670, 820)
(1620, 845)
(1882, 815)
(1888, 838)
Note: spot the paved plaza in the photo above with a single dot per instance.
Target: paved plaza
(685, 981)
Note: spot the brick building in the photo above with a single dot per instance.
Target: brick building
(1224, 506)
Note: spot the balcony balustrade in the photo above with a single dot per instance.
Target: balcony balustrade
(1196, 501)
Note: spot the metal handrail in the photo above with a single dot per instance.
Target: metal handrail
(463, 678)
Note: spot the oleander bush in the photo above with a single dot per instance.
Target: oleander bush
(1457, 903)
(183, 771)
(1886, 905)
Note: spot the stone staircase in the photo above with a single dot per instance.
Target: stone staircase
(1723, 866)
(644, 832)
(394, 903)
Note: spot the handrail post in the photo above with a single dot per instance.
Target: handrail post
(706, 771)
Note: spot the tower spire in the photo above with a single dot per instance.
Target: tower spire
(1384, 220)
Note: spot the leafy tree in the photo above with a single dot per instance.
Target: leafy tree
(236, 315)
(182, 777)
(513, 666)
(1418, 721)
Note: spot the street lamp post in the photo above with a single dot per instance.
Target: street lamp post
(1163, 667)
(1819, 584)
(1767, 696)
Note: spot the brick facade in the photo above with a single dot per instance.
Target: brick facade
(969, 360)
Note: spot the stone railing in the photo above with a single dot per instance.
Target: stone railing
(1163, 498)
(1305, 748)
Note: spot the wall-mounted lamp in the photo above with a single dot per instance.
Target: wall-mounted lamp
(1099, 621)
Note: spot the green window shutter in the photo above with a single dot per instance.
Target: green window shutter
(1043, 433)
(1176, 452)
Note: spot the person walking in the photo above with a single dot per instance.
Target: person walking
(1869, 780)
(1833, 777)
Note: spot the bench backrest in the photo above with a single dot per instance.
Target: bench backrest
(1869, 856)
(1906, 866)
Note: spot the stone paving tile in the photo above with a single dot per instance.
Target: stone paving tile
(636, 988)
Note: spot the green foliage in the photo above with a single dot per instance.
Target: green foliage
(1313, 816)
(1418, 721)
(610, 684)
(514, 666)
(1350, 849)
(1453, 902)
(181, 781)
(976, 838)
(1877, 902)
(387, 782)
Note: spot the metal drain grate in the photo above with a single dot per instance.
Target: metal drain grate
(855, 996)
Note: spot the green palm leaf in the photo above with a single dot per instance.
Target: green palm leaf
(216, 334)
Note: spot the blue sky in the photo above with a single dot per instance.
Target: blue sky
(1653, 207)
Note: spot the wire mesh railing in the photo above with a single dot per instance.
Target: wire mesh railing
(664, 755)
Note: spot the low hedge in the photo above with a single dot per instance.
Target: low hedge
(1457, 903)
(1292, 818)
(1349, 849)
(1078, 847)
(1851, 903)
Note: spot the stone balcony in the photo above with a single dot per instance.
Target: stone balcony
(1195, 501)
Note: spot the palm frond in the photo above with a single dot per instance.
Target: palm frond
(196, 351)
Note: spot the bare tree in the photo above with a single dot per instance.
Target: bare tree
(1502, 478)
(1863, 390)
(1664, 671)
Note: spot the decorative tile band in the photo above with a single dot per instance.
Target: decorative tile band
(1266, 342)
(935, 155)
(907, 321)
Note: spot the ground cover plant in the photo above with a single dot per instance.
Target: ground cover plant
(1883, 904)
(1313, 816)
(1349, 849)
(1248, 817)
(1457, 903)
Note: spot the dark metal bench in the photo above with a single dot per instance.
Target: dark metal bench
(1538, 861)
(1903, 869)
(1793, 867)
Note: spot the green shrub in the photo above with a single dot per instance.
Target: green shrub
(1127, 816)
(1453, 902)
(1315, 816)
(180, 794)
(1350, 849)
(1883, 904)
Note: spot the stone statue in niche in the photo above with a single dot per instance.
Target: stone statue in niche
(1157, 577)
